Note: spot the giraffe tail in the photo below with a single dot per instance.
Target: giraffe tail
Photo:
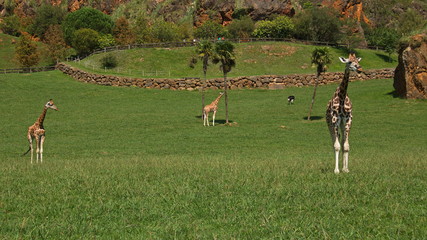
(26, 151)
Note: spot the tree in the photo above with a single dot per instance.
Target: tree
(384, 38)
(241, 28)
(26, 51)
(164, 31)
(319, 57)
(88, 18)
(318, 24)
(209, 30)
(11, 25)
(85, 41)
(224, 55)
(54, 39)
(46, 15)
(123, 34)
(204, 51)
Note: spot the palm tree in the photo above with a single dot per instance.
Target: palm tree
(204, 51)
(319, 57)
(224, 54)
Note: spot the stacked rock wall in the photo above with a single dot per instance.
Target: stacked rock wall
(266, 81)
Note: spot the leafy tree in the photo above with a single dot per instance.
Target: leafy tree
(224, 55)
(210, 30)
(319, 57)
(54, 39)
(280, 27)
(88, 18)
(122, 32)
(164, 31)
(204, 51)
(241, 28)
(384, 38)
(46, 15)
(26, 51)
(11, 25)
(318, 24)
(350, 35)
(85, 41)
(106, 40)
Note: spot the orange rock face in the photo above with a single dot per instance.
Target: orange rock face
(349, 9)
(410, 78)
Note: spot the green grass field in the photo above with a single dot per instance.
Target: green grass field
(129, 163)
(259, 58)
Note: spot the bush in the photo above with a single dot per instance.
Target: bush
(241, 28)
(88, 18)
(85, 41)
(109, 61)
(106, 40)
(11, 25)
(281, 27)
(210, 30)
(318, 24)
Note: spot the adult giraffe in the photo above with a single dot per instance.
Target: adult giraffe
(338, 113)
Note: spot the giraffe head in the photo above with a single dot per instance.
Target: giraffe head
(352, 63)
(51, 105)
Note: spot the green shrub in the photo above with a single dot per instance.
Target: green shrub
(85, 41)
(210, 30)
(109, 61)
(281, 27)
(241, 28)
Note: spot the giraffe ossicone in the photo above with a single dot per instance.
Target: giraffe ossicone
(37, 132)
(339, 113)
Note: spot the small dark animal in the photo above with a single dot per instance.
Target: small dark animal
(291, 99)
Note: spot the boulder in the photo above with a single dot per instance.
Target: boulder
(410, 76)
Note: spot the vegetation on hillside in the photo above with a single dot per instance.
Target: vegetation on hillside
(139, 22)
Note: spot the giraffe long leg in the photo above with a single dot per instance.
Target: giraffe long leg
(346, 145)
(41, 148)
(37, 148)
(333, 129)
(30, 140)
(213, 118)
(207, 119)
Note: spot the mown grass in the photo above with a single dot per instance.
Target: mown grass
(259, 58)
(128, 163)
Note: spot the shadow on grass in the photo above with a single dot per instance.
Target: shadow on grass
(384, 57)
(312, 118)
(394, 94)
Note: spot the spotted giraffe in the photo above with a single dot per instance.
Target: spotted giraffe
(339, 113)
(37, 132)
(213, 107)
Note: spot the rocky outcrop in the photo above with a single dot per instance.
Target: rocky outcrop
(266, 82)
(410, 80)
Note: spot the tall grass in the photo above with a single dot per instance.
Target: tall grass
(128, 163)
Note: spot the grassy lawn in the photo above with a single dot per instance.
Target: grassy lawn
(128, 163)
(260, 58)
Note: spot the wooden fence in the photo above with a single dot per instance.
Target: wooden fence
(27, 70)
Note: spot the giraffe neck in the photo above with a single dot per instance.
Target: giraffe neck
(344, 84)
(215, 102)
(42, 117)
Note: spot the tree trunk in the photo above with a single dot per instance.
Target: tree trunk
(203, 93)
(226, 98)
(314, 94)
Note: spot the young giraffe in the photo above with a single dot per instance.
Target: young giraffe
(338, 113)
(37, 132)
(213, 107)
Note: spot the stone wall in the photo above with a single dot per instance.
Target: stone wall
(266, 81)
